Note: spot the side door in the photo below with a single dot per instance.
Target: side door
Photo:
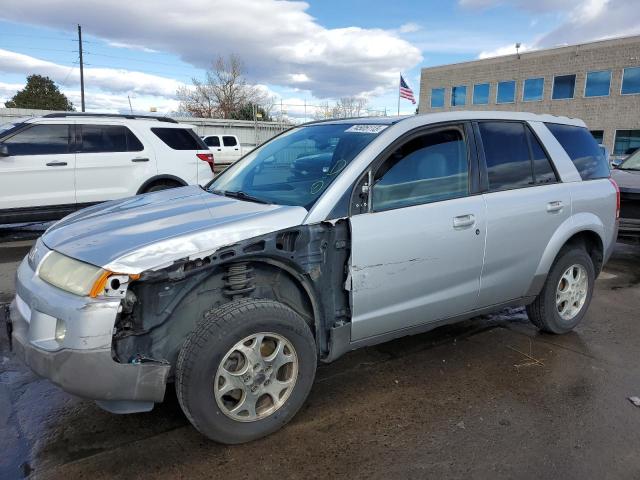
(231, 148)
(417, 251)
(214, 144)
(39, 169)
(526, 203)
(111, 162)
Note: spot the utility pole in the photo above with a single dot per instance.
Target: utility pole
(81, 67)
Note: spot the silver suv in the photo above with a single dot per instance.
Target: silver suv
(235, 291)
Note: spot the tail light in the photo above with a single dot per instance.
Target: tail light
(615, 185)
(206, 157)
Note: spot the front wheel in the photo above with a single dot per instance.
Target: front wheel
(566, 294)
(246, 370)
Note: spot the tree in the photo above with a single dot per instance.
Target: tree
(224, 93)
(40, 93)
(249, 110)
(344, 108)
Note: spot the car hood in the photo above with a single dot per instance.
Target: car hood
(152, 231)
(627, 180)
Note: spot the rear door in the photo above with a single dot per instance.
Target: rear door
(111, 162)
(526, 203)
(39, 169)
(417, 253)
(182, 154)
(230, 148)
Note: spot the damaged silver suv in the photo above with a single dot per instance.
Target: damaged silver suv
(236, 291)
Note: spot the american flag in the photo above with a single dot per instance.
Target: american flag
(405, 91)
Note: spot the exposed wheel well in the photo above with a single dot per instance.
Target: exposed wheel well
(592, 243)
(159, 180)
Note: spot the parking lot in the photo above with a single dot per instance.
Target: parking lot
(488, 398)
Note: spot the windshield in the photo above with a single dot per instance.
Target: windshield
(7, 128)
(297, 166)
(631, 163)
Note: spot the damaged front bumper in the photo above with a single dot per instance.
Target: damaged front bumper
(67, 339)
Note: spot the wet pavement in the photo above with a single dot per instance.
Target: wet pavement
(488, 398)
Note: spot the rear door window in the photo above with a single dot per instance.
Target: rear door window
(429, 168)
(43, 139)
(583, 150)
(107, 139)
(229, 141)
(179, 138)
(212, 141)
(507, 155)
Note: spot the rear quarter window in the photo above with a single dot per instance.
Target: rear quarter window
(179, 138)
(582, 149)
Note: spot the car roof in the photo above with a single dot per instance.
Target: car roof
(458, 115)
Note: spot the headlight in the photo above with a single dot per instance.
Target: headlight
(73, 275)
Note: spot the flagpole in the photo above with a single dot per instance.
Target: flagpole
(399, 80)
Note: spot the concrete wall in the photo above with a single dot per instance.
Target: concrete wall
(600, 113)
(249, 133)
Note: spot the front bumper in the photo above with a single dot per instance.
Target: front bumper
(80, 363)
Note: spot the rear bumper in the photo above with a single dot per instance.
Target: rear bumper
(81, 362)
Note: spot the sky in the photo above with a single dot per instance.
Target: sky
(298, 52)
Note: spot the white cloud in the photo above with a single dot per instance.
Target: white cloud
(108, 79)
(505, 50)
(410, 27)
(276, 39)
(582, 21)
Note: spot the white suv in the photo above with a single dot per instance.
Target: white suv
(53, 165)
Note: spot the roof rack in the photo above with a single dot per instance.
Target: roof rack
(110, 115)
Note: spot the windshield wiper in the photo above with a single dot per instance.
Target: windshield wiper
(240, 195)
(629, 168)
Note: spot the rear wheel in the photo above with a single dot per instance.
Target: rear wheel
(246, 370)
(566, 294)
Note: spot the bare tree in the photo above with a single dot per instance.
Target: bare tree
(224, 92)
(344, 108)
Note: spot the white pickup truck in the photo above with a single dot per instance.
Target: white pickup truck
(226, 148)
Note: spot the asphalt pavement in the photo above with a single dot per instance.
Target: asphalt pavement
(487, 398)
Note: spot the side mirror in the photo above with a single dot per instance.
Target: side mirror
(4, 150)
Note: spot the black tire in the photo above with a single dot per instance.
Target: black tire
(207, 346)
(543, 312)
(165, 185)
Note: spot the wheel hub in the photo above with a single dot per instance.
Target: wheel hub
(256, 377)
(571, 292)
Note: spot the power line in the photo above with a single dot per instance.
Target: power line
(129, 58)
(173, 74)
(37, 48)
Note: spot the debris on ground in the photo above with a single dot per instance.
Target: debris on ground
(635, 401)
(533, 361)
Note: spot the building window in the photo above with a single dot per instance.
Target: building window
(630, 81)
(598, 84)
(627, 142)
(563, 87)
(481, 94)
(598, 135)
(533, 89)
(506, 92)
(458, 96)
(437, 97)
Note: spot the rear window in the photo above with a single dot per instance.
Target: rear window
(582, 149)
(179, 138)
(229, 141)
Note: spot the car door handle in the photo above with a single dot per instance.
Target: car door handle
(555, 206)
(139, 159)
(219, 149)
(464, 221)
(56, 164)
(235, 149)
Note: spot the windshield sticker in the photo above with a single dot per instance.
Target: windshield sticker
(366, 128)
